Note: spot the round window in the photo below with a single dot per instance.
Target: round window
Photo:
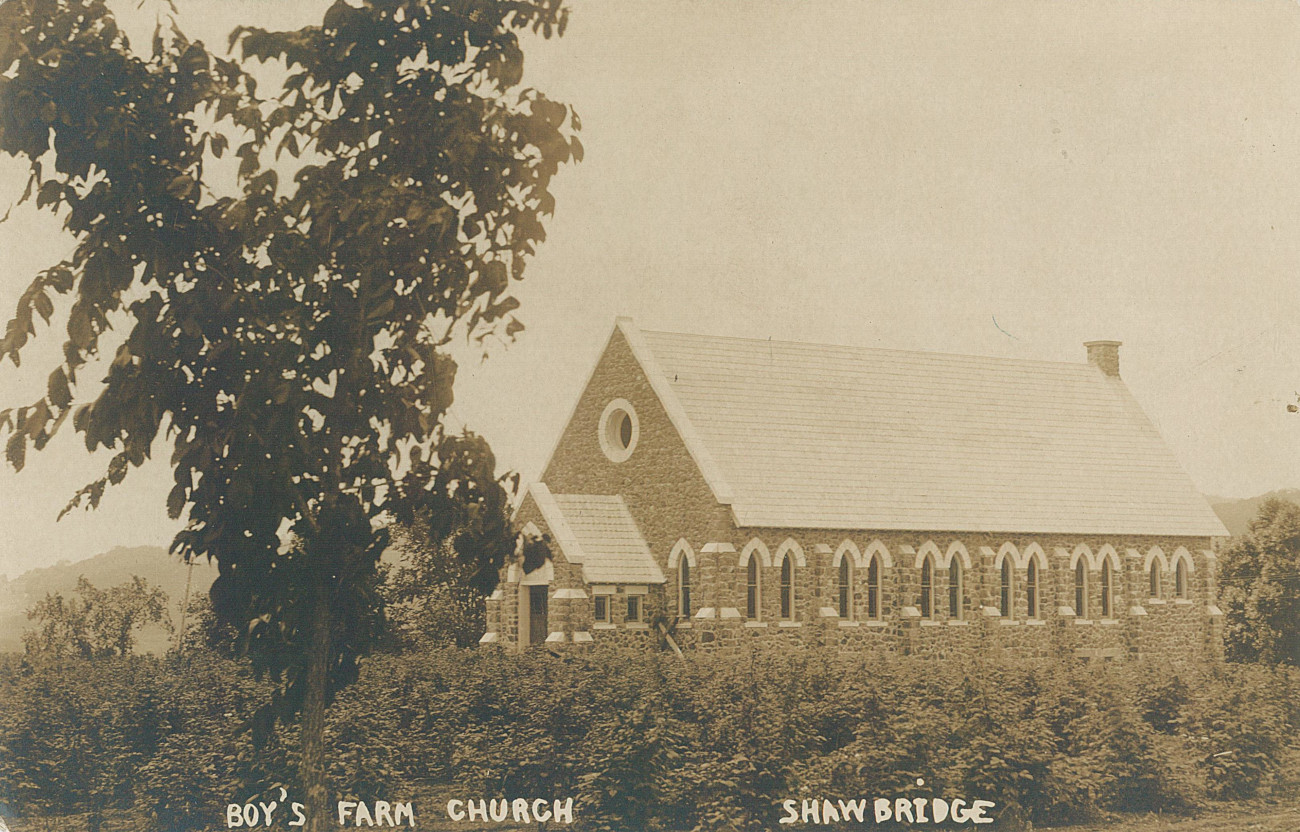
(618, 430)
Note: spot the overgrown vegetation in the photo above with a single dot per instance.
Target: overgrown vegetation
(451, 552)
(285, 328)
(1259, 588)
(94, 622)
(648, 741)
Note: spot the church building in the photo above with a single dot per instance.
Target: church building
(713, 493)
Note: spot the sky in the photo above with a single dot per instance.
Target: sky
(1007, 179)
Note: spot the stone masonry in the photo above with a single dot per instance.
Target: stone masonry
(681, 520)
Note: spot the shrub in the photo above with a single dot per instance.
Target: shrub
(208, 758)
(1162, 705)
(1239, 726)
(652, 742)
(76, 731)
(1259, 587)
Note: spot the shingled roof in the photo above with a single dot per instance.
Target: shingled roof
(813, 436)
(598, 533)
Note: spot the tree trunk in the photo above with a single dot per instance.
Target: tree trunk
(311, 766)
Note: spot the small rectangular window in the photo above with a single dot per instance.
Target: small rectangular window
(633, 608)
(602, 609)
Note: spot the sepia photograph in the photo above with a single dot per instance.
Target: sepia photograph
(676, 416)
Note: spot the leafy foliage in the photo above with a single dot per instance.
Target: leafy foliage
(207, 756)
(1239, 735)
(647, 741)
(289, 340)
(204, 631)
(451, 553)
(74, 733)
(95, 623)
(1259, 586)
(286, 331)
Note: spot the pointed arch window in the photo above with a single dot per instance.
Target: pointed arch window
(1004, 599)
(1180, 578)
(927, 588)
(684, 587)
(1081, 589)
(787, 587)
(1031, 589)
(845, 587)
(1106, 579)
(955, 593)
(751, 589)
(873, 588)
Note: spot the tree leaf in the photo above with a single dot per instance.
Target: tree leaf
(117, 469)
(58, 392)
(44, 306)
(16, 450)
(181, 186)
(176, 501)
(79, 328)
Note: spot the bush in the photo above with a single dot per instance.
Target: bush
(75, 732)
(1239, 725)
(208, 757)
(1259, 587)
(651, 742)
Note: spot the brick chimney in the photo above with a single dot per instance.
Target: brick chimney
(1104, 355)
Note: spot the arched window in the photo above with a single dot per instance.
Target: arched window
(927, 588)
(1004, 600)
(954, 588)
(845, 587)
(1031, 588)
(1180, 578)
(873, 588)
(684, 587)
(1105, 589)
(787, 587)
(751, 588)
(1154, 578)
(1081, 589)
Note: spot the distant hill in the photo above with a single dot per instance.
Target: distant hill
(113, 567)
(1237, 514)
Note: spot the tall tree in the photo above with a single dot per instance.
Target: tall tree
(95, 623)
(452, 548)
(1259, 586)
(287, 337)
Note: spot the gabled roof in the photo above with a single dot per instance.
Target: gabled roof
(814, 436)
(598, 533)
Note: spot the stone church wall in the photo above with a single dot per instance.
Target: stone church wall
(674, 507)
(1169, 627)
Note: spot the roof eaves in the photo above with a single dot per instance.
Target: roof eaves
(758, 519)
(676, 413)
(560, 529)
(655, 576)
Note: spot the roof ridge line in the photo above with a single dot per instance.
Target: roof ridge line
(856, 347)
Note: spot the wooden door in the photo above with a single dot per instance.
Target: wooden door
(538, 629)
